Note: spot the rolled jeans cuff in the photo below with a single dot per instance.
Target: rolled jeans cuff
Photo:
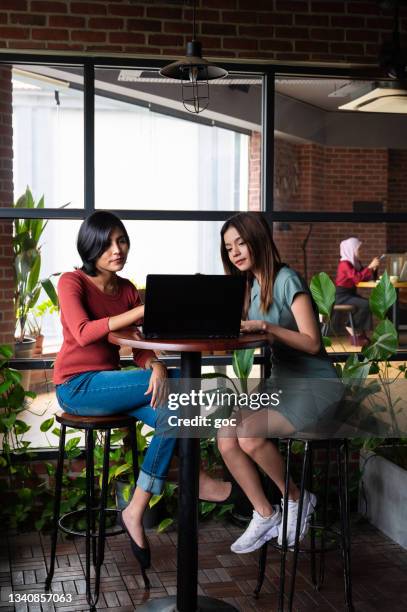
(150, 484)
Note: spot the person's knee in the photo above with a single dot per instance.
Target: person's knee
(227, 445)
(251, 445)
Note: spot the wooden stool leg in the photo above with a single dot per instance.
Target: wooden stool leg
(57, 505)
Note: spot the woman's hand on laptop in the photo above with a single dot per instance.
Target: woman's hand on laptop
(158, 384)
(253, 327)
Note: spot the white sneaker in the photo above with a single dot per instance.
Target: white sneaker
(260, 530)
(310, 501)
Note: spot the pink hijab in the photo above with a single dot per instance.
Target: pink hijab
(348, 250)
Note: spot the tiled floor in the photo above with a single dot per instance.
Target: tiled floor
(379, 573)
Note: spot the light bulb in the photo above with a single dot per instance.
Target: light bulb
(193, 73)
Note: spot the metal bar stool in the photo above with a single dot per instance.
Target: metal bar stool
(95, 538)
(341, 448)
(348, 309)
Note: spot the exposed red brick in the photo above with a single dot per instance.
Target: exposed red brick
(127, 37)
(85, 8)
(37, 20)
(218, 29)
(144, 25)
(327, 7)
(364, 8)
(9, 32)
(14, 5)
(244, 43)
(293, 32)
(49, 34)
(362, 35)
(165, 39)
(66, 21)
(347, 21)
(276, 45)
(88, 36)
(49, 7)
(294, 6)
(326, 34)
(177, 27)
(312, 20)
(164, 13)
(241, 17)
(105, 23)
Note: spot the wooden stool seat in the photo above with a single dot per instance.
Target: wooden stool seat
(114, 421)
(345, 307)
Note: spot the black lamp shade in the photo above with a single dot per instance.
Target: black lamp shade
(204, 70)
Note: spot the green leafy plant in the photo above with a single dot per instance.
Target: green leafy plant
(27, 263)
(37, 314)
(376, 393)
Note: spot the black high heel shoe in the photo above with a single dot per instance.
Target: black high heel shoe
(143, 555)
(235, 493)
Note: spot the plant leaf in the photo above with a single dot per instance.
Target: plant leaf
(323, 291)
(382, 297)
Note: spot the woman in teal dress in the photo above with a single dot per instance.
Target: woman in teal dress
(279, 304)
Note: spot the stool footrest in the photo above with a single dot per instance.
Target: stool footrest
(94, 534)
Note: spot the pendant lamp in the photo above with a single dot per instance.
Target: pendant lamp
(194, 72)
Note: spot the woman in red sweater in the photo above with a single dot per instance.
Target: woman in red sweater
(94, 300)
(351, 272)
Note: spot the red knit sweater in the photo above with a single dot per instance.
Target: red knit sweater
(85, 311)
(348, 276)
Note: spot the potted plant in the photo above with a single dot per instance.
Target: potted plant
(35, 321)
(27, 269)
(375, 402)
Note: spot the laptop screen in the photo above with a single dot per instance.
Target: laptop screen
(193, 305)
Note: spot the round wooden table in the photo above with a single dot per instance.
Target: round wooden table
(188, 476)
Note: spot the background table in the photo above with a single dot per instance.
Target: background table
(189, 455)
(395, 308)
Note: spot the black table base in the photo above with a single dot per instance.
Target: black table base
(187, 554)
(169, 604)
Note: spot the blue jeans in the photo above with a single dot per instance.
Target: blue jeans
(107, 392)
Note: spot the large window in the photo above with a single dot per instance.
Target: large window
(48, 122)
(94, 135)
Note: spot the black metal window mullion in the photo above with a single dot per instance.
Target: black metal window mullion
(89, 137)
(267, 143)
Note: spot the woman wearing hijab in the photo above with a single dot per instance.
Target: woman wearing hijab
(351, 272)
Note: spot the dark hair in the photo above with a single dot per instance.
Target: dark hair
(255, 231)
(94, 238)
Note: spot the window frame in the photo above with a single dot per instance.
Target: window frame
(267, 70)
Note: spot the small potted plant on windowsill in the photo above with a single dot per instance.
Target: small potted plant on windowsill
(36, 320)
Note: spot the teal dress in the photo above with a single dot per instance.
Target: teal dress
(308, 385)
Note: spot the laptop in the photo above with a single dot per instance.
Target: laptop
(403, 273)
(193, 306)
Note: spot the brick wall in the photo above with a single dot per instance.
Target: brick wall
(6, 199)
(329, 30)
(254, 171)
(312, 177)
(397, 199)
